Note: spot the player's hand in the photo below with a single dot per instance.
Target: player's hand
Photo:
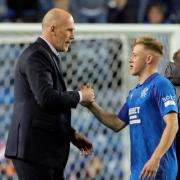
(82, 143)
(150, 169)
(87, 94)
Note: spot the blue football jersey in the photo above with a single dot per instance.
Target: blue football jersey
(144, 109)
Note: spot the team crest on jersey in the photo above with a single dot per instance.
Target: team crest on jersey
(144, 92)
(131, 95)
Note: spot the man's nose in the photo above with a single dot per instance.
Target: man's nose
(130, 60)
(72, 37)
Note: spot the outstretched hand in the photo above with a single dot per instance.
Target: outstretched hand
(88, 94)
(82, 143)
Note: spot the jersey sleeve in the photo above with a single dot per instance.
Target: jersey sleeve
(165, 96)
(123, 113)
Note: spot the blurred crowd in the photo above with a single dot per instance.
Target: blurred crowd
(94, 11)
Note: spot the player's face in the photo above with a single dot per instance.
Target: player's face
(137, 62)
(64, 35)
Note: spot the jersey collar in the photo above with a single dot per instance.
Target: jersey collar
(149, 79)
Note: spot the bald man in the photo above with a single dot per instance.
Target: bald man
(41, 132)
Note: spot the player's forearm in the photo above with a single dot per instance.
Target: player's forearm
(108, 119)
(166, 139)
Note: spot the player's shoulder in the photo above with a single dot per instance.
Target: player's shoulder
(162, 81)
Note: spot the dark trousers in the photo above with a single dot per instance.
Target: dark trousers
(31, 171)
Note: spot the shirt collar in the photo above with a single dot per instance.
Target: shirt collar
(51, 47)
(152, 76)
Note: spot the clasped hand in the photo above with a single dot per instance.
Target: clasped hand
(87, 94)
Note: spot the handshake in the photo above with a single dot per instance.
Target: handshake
(87, 94)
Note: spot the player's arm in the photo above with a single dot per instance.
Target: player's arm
(168, 135)
(151, 167)
(109, 119)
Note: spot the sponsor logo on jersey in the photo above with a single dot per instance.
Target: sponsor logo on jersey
(133, 115)
(134, 110)
(169, 100)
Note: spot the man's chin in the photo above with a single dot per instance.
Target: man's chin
(68, 49)
(64, 49)
(133, 73)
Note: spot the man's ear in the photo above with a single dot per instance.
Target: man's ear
(149, 59)
(52, 28)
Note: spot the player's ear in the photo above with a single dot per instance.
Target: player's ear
(149, 59)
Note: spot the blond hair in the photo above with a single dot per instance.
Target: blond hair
(150, 43)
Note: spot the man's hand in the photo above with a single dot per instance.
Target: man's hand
(150, 169)
(87, 94)
(82, 143)
(169, 133)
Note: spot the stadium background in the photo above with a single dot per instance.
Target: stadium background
(100, 55)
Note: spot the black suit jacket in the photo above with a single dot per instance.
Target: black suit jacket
(41, 127)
